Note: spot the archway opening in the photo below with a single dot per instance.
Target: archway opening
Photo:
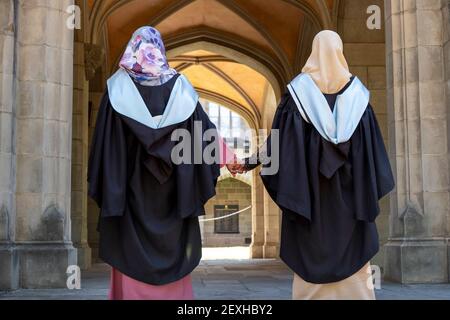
(239, 100)
(227, 226)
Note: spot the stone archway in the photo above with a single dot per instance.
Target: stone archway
(365, 52)
(265, 54)
(273, 65)
(36, 108)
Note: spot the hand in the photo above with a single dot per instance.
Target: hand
(237, 167)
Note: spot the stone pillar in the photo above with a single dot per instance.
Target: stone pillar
(417, 115)
(95, 66)
(446, 13)
(271, 228)
(257, 247)
(80, 119)
(271, 210)
(9, 277)
(93, 210)
(80, 157)
(44, 136)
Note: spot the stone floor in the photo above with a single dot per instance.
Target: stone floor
(228, 280)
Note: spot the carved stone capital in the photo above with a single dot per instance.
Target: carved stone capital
(94, 55)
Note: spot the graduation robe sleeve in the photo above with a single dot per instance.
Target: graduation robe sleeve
(289, 187)
(107, 170)
(193, 196)
(373, 178)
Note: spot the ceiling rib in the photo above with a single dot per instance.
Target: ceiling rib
(235, 86)
(231, 104)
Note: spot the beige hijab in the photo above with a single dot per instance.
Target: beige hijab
(327, 65)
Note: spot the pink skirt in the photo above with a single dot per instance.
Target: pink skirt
(126, 288)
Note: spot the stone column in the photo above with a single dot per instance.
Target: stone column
(80, 119)
(44, 136)
(257, 247)
(271, 228)
(446, 13)
(93, 210)
(96, 73)
(9, 277)
(80, 157)
(417, 114)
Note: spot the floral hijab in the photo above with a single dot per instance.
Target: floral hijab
(145, 58)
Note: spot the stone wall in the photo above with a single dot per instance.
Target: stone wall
(417, 251)
(229, 192)
(44, 119)
(8, 258)
(35, 114)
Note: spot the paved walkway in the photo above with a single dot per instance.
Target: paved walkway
(228, 280)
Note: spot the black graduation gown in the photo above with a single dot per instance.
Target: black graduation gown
(328, 194)
(148, 225)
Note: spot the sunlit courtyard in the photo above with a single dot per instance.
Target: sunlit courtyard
(230, 253)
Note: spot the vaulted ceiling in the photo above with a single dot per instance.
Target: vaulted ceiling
(225, 81)
(229, 49)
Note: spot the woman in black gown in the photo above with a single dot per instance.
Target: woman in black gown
(149, 229)
(333, 169)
